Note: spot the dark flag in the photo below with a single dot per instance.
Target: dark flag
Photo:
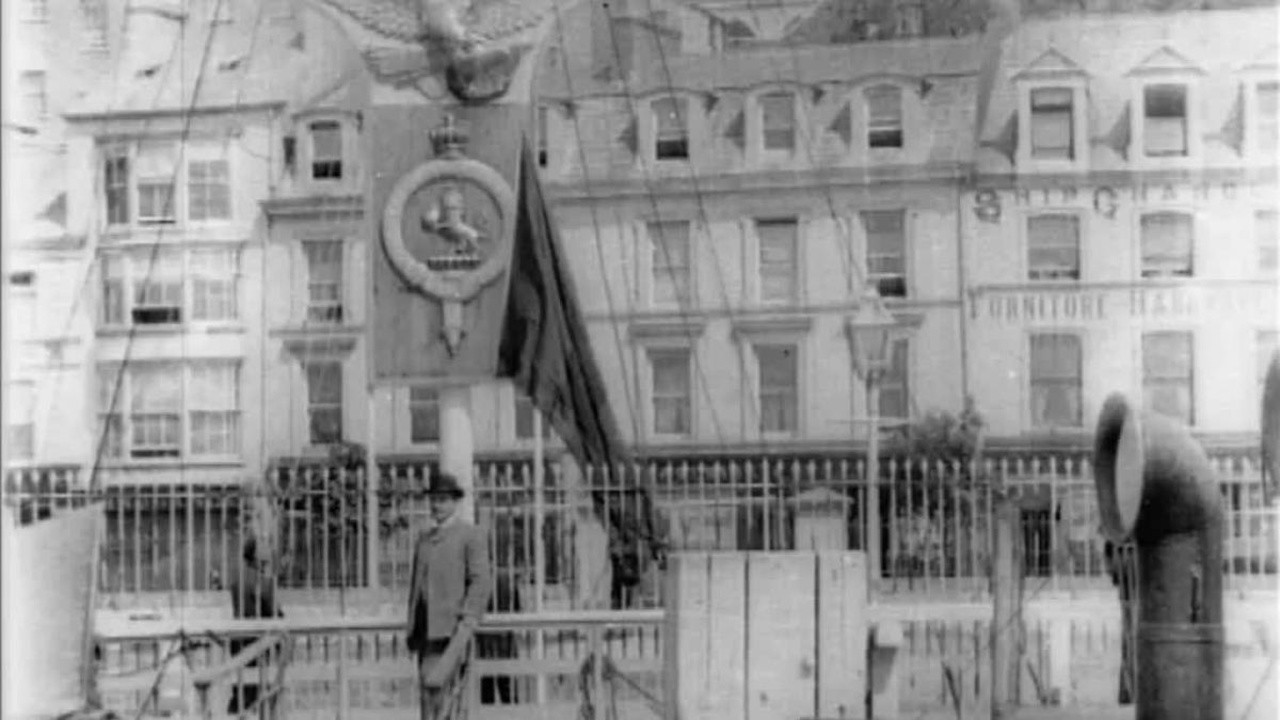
(545, 349)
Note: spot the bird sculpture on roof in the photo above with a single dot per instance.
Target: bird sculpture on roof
(475, 44)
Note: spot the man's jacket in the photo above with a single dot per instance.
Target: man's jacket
(451, 580)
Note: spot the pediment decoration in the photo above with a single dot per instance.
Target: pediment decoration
(1166, 60)
(663, 328)
(1050, 63)
(746, 328)
(1266, 61)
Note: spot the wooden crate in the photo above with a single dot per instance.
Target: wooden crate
(766, 636)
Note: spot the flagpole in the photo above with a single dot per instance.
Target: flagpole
(372, 481)
(539, 516)
(457, 446)
(539, 546)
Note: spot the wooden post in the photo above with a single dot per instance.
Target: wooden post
(1006, 613)
(873, 482)
(372, 478)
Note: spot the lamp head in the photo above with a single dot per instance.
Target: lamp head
(871, 331)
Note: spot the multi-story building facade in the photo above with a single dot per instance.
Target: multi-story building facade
(54, 52)
(703, 236)
(730, 202)
(728, 181)
(1121, 234)
(172, 166)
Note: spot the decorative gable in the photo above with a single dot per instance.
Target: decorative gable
(1050, 64)
(1166, 60)
(1265, 61)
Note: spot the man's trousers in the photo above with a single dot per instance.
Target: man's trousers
(430, 700)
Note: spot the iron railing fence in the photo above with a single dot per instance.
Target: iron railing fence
(935, 529)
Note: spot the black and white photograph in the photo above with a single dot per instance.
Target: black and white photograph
(640, 359)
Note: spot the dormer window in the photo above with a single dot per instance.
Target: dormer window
(1052, 125)
(884, 116)
(671, 129)
(778, 121)
(326, 150)
(1165, 128)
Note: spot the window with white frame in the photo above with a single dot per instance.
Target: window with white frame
(324, 281)
(1168, 242)
(1056, 380)
(524, 410)
(1053, 123)
(116, 188)
(672, 276)
(157, 174)
(1053, 247)
(213, 280)
(884, 116)
(1266, 121)
(324, 401)
(1168, 370)
(170, 410)
(1268, 341)
(20, 420)
(166, 185)
(778, 389)
(894, 385)
(672, 391)
(35, 96)
(170, 286)
(424, 415)
(778, 121)
(1165, 120)
(326, 150)
(208, 190)
(671, 129)
(778, 262)
(886, 250)
(1267, 237)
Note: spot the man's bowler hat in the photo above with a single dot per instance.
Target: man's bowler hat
(445, 484)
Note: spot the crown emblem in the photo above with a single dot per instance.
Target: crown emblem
(450, 139)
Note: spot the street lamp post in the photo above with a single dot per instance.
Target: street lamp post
(871, 331)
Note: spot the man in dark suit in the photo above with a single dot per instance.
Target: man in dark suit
(253, 597)
(450, 585)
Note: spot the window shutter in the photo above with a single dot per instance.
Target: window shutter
(842, 125)
(737, 130)
(630, 137)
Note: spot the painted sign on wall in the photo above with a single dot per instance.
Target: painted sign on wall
(1021, 305)
(1106, 199)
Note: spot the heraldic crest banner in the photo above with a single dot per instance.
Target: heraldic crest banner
(445, 217)
(449, 105)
